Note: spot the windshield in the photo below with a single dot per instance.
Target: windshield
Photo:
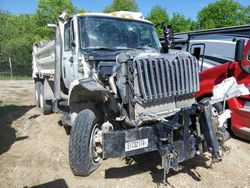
(114, 33)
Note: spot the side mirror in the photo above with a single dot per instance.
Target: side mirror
(239, 50)
(168, 36)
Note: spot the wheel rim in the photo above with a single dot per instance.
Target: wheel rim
(93, 147)
(36, 95)
(41, 100)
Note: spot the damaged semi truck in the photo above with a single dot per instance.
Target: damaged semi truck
(120, 95)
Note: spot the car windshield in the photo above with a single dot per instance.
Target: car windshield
(113, 33)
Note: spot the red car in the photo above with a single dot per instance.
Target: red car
(240, 106)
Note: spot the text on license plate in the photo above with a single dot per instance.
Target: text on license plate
(137, 144)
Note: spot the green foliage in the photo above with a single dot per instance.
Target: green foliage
(158, 16)
(17, 42)
(3, 30)
(18, 33)
(180, 24)
(222, 13)
(247, 15)
(194, 26)
(48, 11)
(122, 5)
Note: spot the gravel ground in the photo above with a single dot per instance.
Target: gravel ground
(34, 152)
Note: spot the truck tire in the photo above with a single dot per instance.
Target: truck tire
(83, 156)
(45, 105)
(37, 92)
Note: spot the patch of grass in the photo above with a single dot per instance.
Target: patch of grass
(16, 78)
(8, 103)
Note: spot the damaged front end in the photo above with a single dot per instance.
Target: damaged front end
(153, 99)
(147, 103)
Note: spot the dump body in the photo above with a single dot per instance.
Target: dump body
(44, 58)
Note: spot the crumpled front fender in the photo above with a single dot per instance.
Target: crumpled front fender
(87, 90)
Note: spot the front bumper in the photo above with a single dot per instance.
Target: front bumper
(177, 139)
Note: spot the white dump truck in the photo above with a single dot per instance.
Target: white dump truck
(120, 94)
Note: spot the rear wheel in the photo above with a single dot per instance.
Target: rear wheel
(84, 151)
(44, 103)
(37, 92)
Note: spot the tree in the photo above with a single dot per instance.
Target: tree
(3, 38)
(179, 23)
(222, 13)
(247, 14)
(19, 32)
(48, 11)
(122, 5)
(158, 15)
(3, 30)
(194, 26)
(18, 37)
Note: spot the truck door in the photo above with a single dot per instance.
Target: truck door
(198, 50)
(68, 57)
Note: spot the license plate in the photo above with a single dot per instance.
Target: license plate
(137, 144)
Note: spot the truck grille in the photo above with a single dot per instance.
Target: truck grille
(167, 76)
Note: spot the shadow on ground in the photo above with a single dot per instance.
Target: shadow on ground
(150, 163)
(240, 139)
(60, 183)
(8, 114)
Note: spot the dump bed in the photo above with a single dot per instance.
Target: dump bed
(43, 59)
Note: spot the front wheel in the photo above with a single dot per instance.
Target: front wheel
(84, 152)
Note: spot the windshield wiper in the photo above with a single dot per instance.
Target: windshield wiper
(100, 48)
(145, 48)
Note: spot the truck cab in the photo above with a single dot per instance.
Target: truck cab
(239, 106)
(96, 36)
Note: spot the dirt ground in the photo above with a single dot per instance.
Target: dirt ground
(34, 152)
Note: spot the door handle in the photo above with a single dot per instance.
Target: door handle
(71, 60)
